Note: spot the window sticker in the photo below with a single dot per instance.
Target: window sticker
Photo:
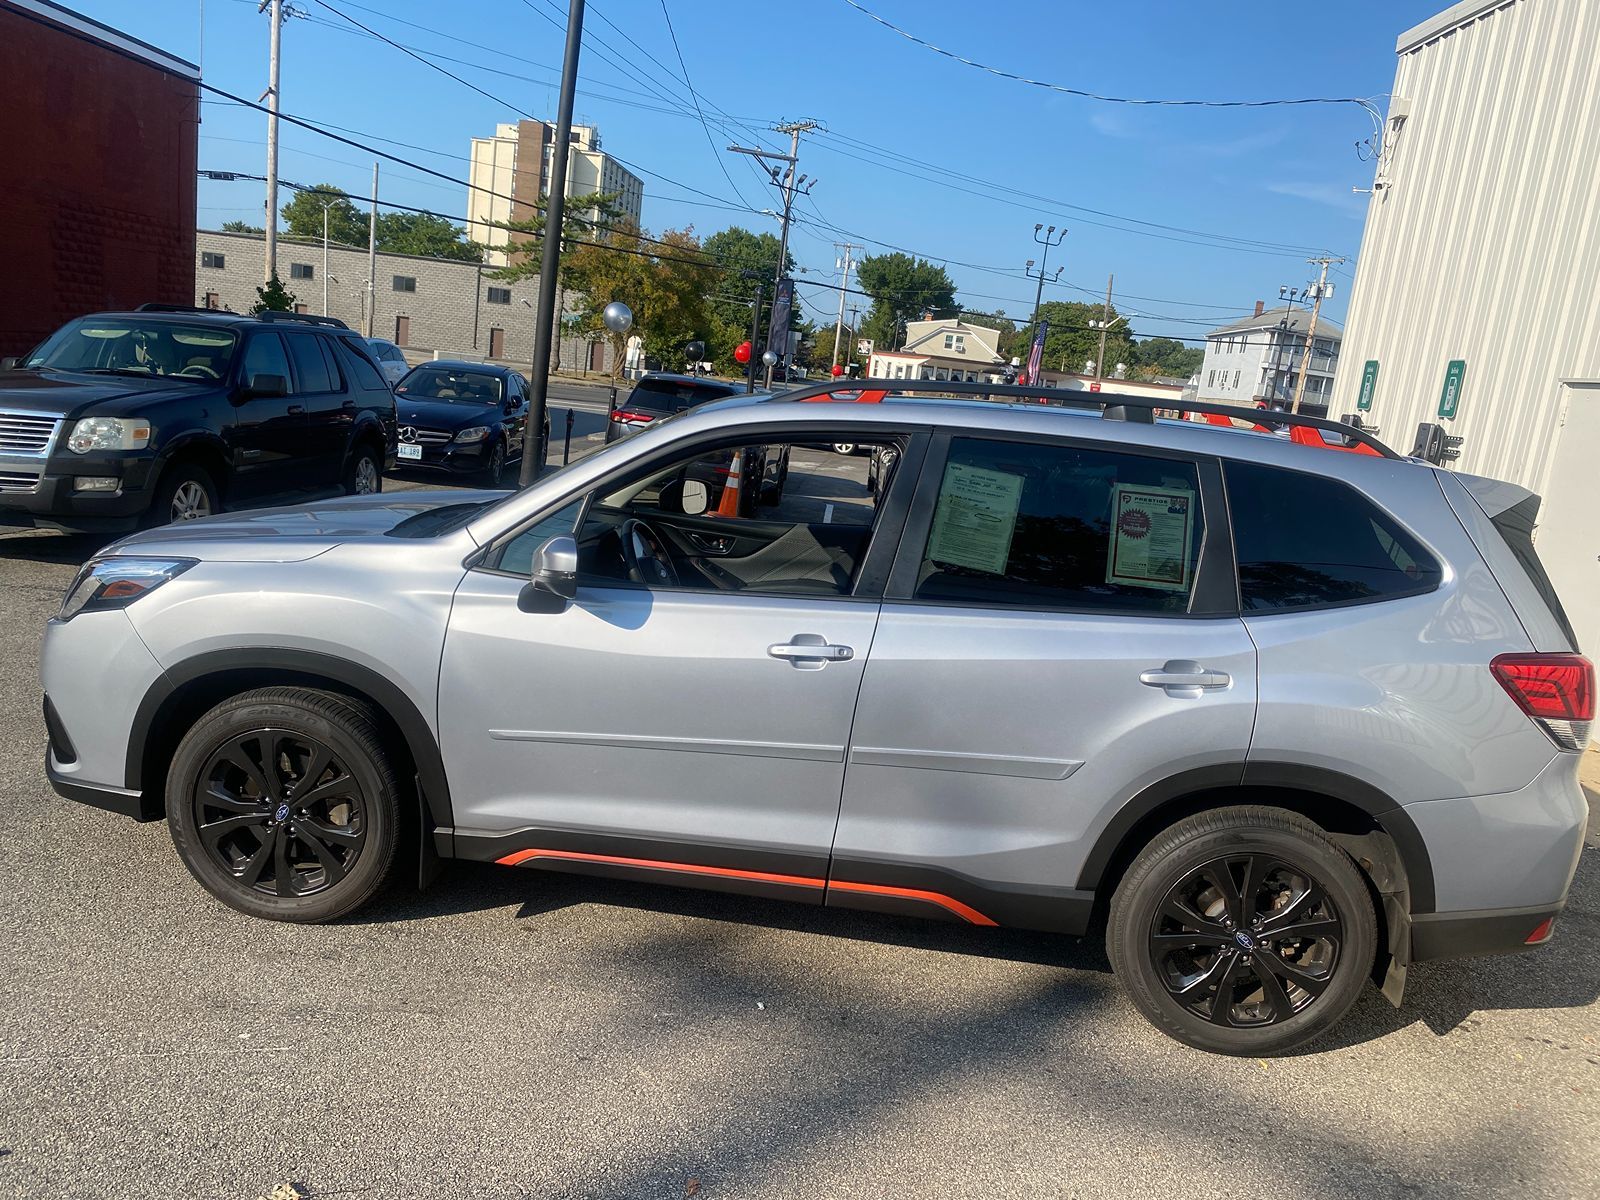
(976, 517)
(1150, 540)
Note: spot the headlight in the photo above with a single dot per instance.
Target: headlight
(475, 434)
(108, 433)
(117, 582)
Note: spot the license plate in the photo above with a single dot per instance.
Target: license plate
(410, 451)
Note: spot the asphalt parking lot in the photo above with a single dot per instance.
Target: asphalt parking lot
(516, 1033)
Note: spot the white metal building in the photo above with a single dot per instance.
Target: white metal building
(1474, 305)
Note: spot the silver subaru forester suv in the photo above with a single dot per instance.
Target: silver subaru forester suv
(1281, 714)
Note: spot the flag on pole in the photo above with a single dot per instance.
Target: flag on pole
(1036, 355)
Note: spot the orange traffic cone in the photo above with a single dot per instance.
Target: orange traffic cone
(729, 504)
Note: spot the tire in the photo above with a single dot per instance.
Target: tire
(266, 861)
(494, 472)
(186, 493)
(1316, 978)
(364, 475)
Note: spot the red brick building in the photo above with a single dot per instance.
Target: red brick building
(97, 174)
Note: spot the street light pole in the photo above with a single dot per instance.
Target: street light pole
(1048, 241)
(272, 135)
(550, 266)
(372, 255)
(325, 258)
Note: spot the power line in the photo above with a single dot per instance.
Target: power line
(704, 127)
(1104, 99)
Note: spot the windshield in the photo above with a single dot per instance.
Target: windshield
(454, 386)
(134, 346)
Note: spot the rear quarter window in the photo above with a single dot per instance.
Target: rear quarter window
(360, 367)
(1305, 541)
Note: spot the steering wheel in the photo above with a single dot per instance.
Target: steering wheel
(198, 371)
(646, 555)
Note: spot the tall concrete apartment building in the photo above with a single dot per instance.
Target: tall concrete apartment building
(510, 175)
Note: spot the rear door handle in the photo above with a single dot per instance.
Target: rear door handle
(810, 651)
(297, 410)
(1185, 678)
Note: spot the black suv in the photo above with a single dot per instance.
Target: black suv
(166, 414)
(463, 417)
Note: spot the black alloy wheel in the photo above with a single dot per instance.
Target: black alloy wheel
(283, 804)
(1243, 930)
(278, 811)
(1246, 940)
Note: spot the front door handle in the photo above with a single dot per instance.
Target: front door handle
(1185, 678)
(810, 651)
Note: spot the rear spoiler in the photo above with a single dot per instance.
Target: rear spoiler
(1499, 517)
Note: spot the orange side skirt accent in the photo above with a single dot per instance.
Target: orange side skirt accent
(965, 911)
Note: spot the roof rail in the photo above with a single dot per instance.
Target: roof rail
(184, 308)
(1112, 406)
(302, 318)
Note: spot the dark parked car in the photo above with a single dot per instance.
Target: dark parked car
(660, 395)
(166, 414)
(463, 417)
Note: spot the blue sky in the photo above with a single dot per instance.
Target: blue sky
(920, 152)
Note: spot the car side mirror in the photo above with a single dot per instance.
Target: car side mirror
(9, 362)
(691, 497)
(266, 385)
(555, 577)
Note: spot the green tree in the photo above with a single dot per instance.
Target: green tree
(902, 289)
(665, 282)
(750, 261)
(241, 227)
(421, 233)
(274, 297)
(302, 216)
(584, 219)
(1166, 356)
(1071, 342)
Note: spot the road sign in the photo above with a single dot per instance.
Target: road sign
(1369, 384)
(1450, 398)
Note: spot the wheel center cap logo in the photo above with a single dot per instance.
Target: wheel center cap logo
(281, 813)
(1246, 942)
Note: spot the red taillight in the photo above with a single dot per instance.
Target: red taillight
(1551, 687)
(622, 414)
(1556, 690)
(1541, 932)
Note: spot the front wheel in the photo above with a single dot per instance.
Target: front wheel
(495, 469)
(283, 804)
(186, 493)
(1243, 931)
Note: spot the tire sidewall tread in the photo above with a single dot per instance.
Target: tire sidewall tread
(1197, 839)
(347, 726)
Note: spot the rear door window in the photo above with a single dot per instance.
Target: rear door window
(310, 368)
(1056, 526)
(1306, 541)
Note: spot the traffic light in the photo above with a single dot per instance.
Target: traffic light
(1434, 445)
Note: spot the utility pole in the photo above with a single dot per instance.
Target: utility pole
(1323, 288)
(550, 264)
(1104, 325)
(271, 97)
(372, 256)
(755, 332)
(1049, 240)
(790, 187)
(844, 281)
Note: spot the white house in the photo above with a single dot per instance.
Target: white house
(943, 350)
(1256, 359)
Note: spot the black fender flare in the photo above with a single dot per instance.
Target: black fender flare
(1388, 815)
(396, 705)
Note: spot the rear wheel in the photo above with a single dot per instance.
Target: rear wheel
(1243, 931)
(283, 804)
(364, 476)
